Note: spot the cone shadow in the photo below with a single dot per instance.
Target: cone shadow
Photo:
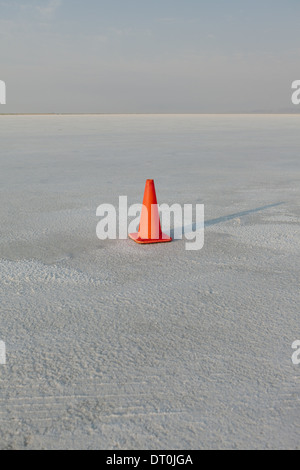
(194, 227)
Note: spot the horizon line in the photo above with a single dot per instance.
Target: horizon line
(168, 114)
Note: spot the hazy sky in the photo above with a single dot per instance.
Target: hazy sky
(149, 55)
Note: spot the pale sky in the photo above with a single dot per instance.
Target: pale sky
(135, 56)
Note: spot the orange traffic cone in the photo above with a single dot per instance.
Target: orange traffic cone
(150, 229)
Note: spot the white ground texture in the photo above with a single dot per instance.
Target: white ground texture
(114, 345)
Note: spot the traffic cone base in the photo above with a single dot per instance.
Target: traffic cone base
(135, 237)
